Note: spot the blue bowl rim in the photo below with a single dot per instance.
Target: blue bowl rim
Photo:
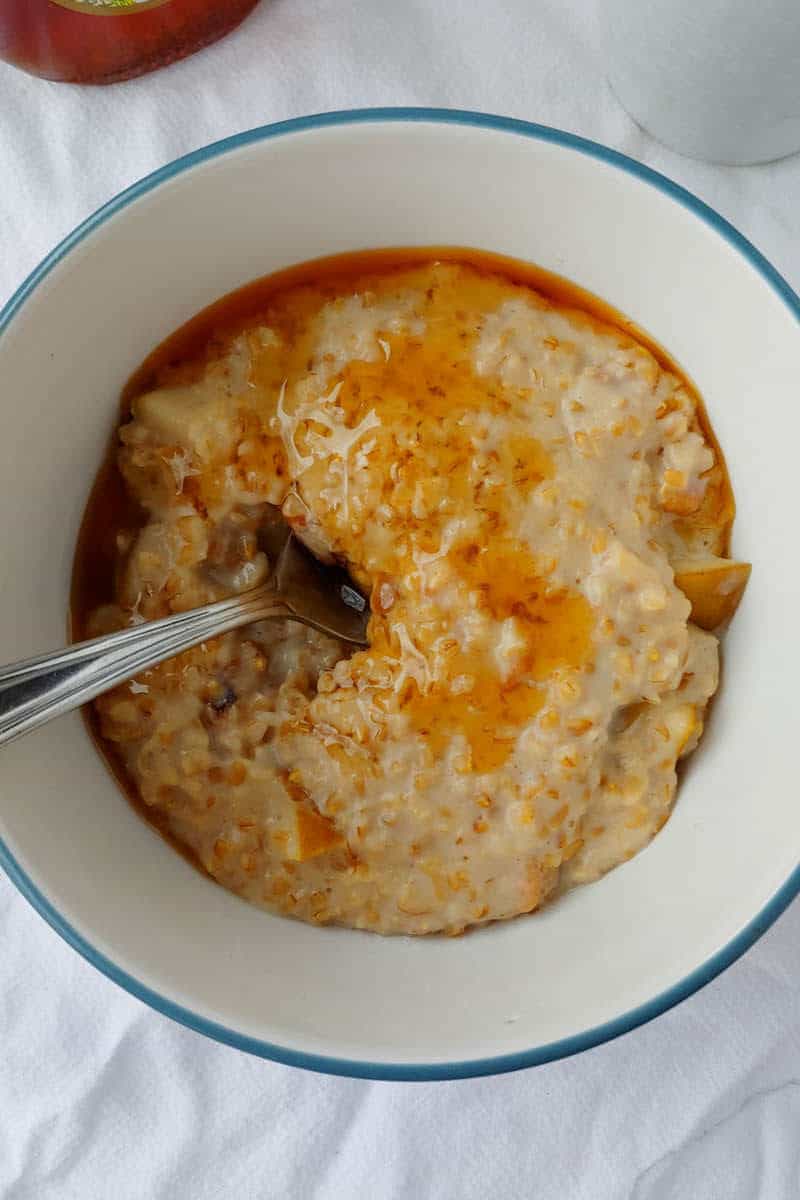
(413, 1072)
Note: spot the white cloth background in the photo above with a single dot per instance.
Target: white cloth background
(99, 1096)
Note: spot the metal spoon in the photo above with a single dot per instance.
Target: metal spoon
(300, 589)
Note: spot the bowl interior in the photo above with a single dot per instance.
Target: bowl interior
(602, 951)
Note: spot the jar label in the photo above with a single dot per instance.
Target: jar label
(109, 8)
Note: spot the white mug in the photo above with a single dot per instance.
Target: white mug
(713, 79)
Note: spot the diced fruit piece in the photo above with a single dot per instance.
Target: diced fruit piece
(306, 527)
(314, 834)
(194, 417)
(683, 728)
(713, 587)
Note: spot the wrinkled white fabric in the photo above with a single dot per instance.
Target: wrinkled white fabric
(102, 1098)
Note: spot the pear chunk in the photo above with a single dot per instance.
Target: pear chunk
(713, 586)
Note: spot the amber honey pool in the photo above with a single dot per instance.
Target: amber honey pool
(532, 496)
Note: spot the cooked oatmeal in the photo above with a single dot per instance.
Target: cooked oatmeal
(515, 484)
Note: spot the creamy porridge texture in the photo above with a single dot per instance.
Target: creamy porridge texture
(512, 482)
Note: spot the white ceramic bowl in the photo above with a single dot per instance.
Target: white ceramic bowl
(605, 958)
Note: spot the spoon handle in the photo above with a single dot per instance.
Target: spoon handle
(38, 689)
